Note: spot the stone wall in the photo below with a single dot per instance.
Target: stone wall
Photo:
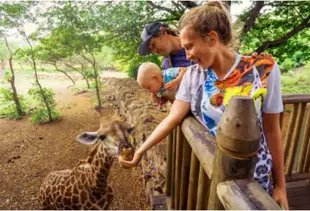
(137, 108)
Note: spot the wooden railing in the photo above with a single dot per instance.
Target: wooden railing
(204, 173)
(296, 136)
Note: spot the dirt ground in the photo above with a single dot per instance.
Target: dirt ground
(30, 151)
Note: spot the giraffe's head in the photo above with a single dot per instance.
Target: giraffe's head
(116, 137)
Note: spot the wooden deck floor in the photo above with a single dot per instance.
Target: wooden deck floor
(298, 194)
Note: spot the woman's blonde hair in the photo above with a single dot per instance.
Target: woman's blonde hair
(212, 16)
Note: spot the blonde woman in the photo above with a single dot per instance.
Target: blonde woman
(219, 74)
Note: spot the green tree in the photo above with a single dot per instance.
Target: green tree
(78, 22)
(281, 28)
(11, 14)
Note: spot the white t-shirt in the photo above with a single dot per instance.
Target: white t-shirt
(248, 77)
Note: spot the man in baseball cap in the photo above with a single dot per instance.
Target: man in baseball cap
(150, 31)
(158, 38)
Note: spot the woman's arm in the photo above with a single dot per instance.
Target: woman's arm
(272, 131)
(177, 113)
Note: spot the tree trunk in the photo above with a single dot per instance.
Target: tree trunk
(12, 79)
(274, 43)
(49, 112)
(96, 76)
(87, 82)
(71, 79)
(96, 80)
(81, 72)
(12, 82)
(250, 21)
(21, 66)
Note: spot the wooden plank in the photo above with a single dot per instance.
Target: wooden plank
(179, 148)
(193, 182)
(232, 197)
(302, 207)
(304, 143)
(297, 184)
(185, 174)
(169, 152)
(297, 176)
(295, 138)
(257, 195)
(295, 98)
(307, 159)
(171, 202)
(289, 132)
(203, 190)
(299, 200)
(299, 191)
(201, 142)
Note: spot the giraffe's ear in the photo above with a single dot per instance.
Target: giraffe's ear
(87, 138)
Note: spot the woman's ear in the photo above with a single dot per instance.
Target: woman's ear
(213, 38)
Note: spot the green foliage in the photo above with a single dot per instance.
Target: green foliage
(134, 65)
(8, 106)
(104, 58)
(122, 23)
(92, 85)
(296, 81)
(40, 113)
(276, 22)
(3, 51)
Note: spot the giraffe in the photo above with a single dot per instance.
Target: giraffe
(85, 186)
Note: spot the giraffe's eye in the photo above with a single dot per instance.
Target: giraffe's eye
(102, 137)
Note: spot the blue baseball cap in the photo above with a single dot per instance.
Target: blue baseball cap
(148, 33)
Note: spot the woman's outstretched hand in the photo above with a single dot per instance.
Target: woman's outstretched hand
(133, 163)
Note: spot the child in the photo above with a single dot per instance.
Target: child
(163, 84)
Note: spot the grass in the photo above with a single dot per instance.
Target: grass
(296, 81)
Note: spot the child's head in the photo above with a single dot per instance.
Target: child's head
(150, 77)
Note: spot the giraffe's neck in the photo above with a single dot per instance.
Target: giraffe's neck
(102, 163)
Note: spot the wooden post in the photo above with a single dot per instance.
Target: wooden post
(186, 160)
(193, 182)
(237, 139)
(178, 165)
(289, 132)
(171, 202)
(203, 190)
(305, 143)
(295, 139)
(169, 163)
